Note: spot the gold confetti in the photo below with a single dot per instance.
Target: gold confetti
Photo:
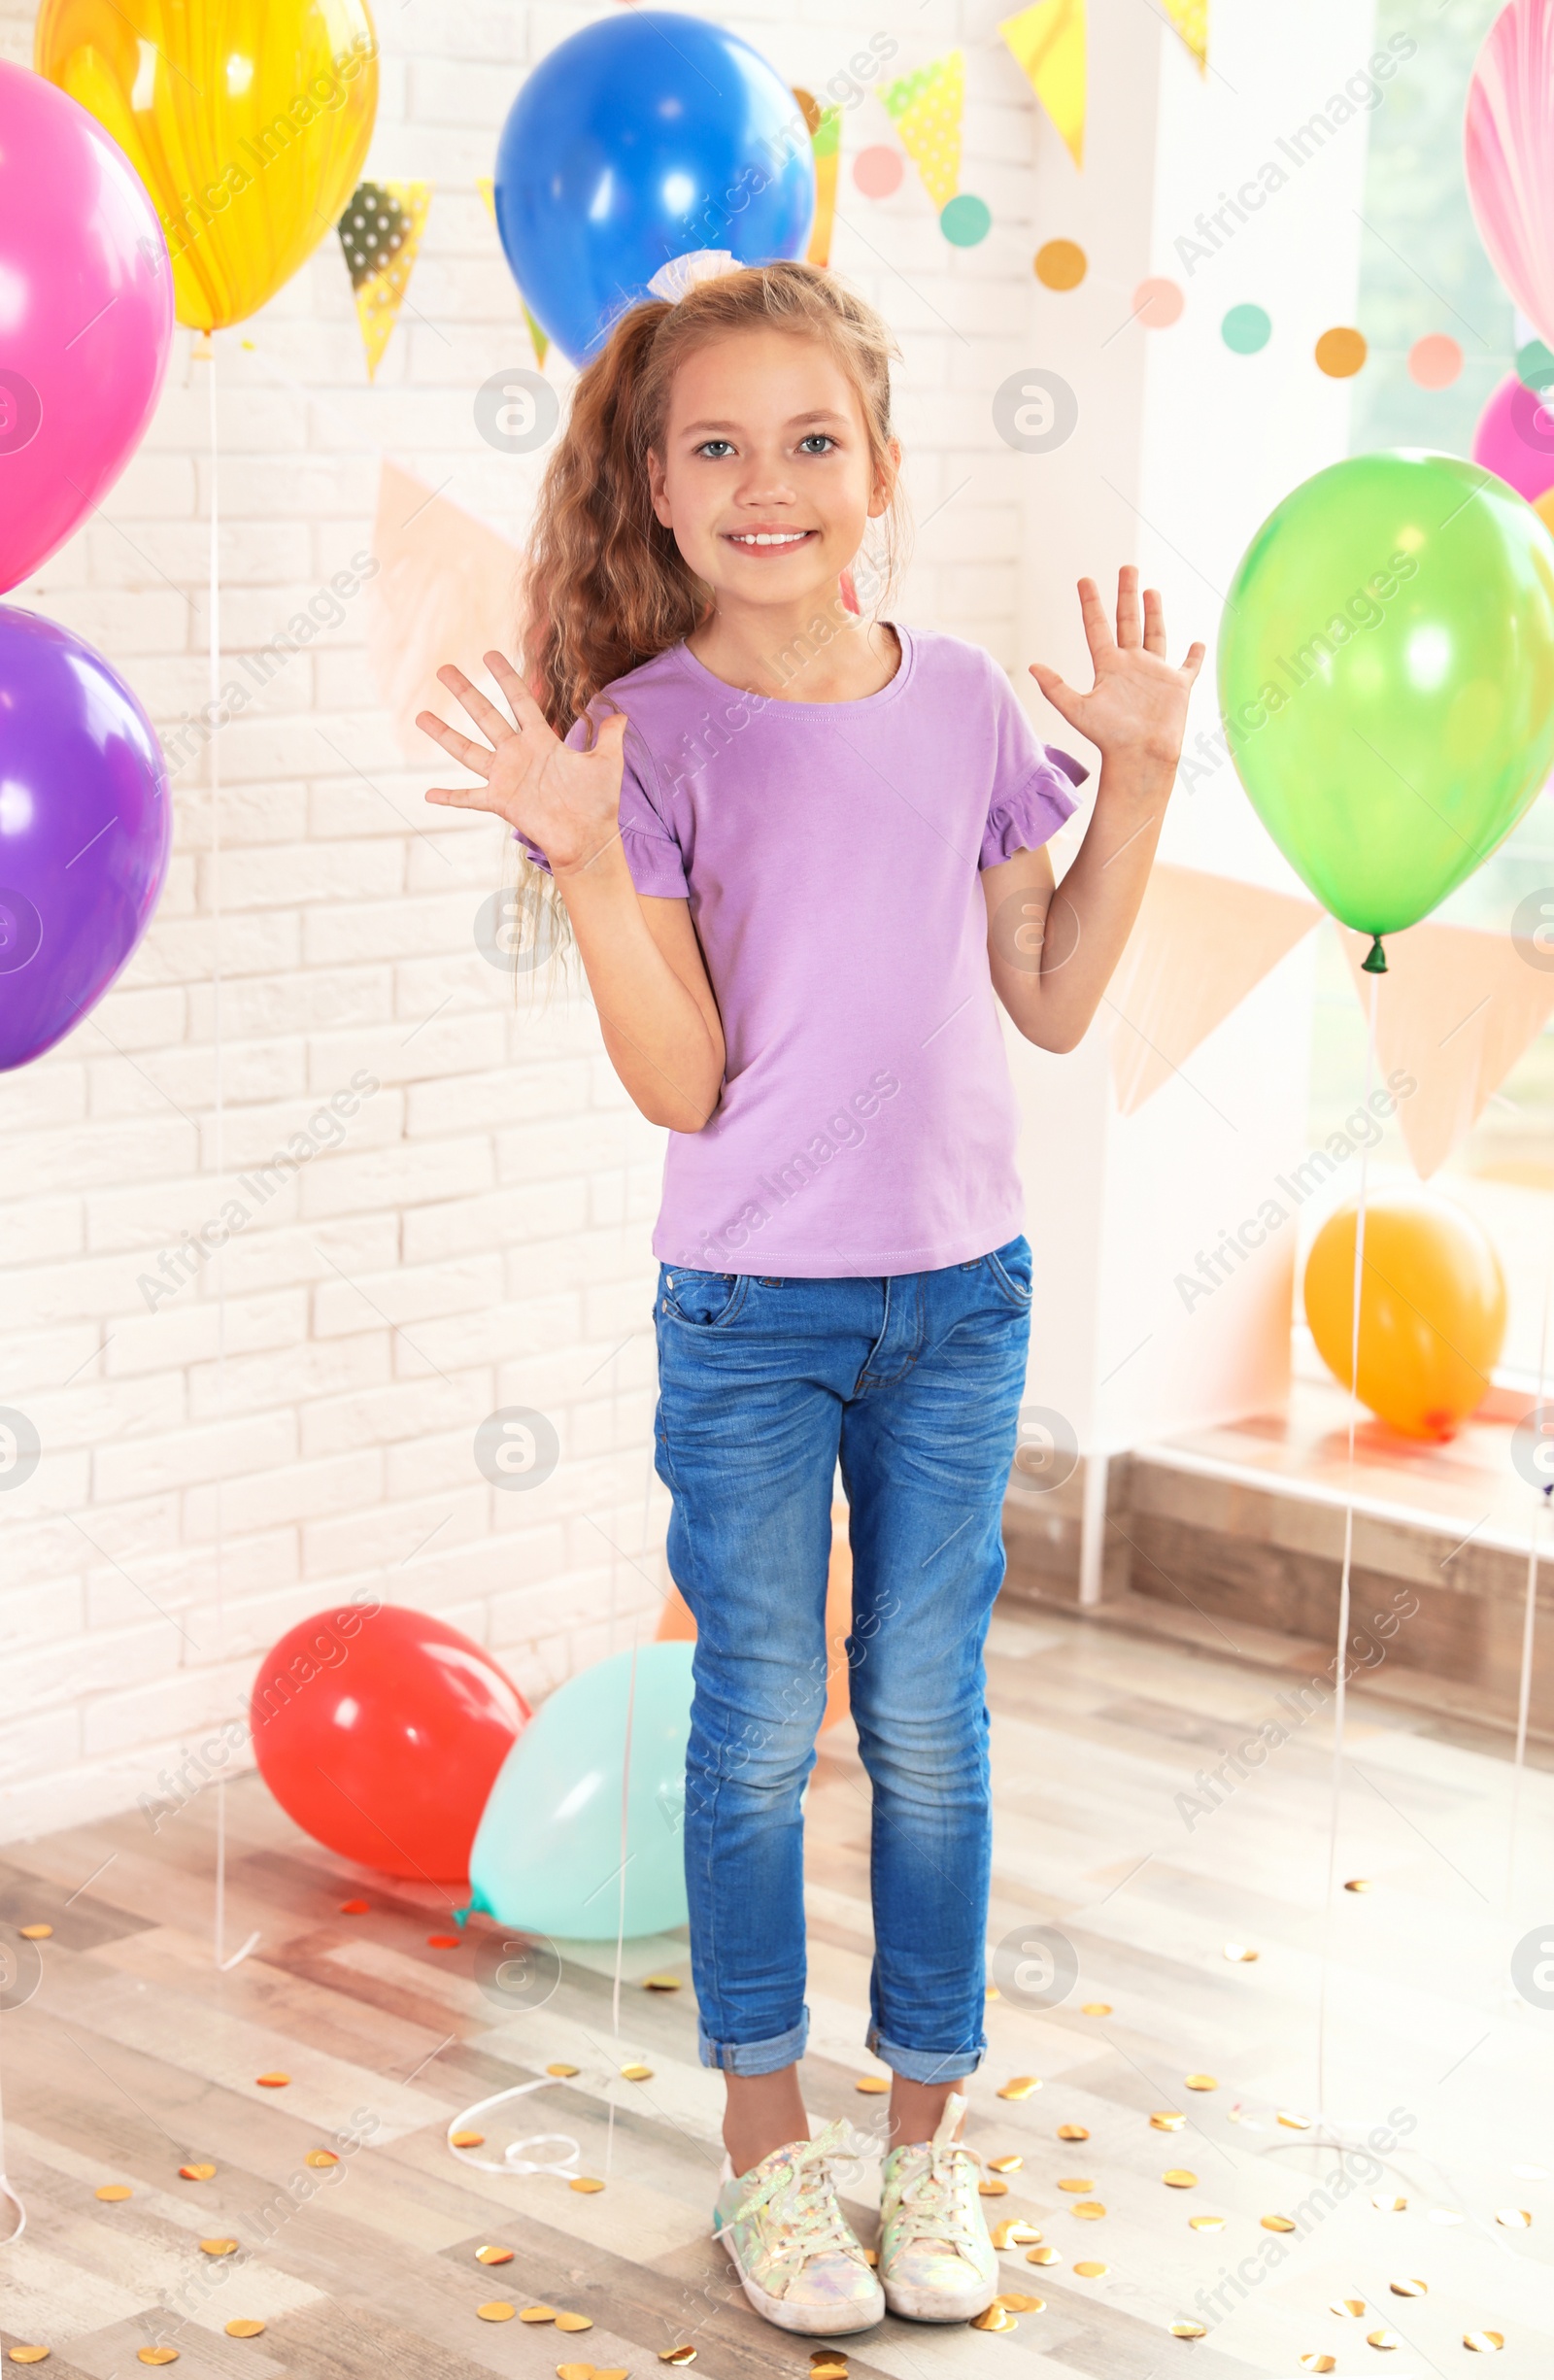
(1178, 2178)
(320, 2157)
(1072, 2131)
(1019, 2087)
(1014, 2301)
(156, 2355)
(993, 1993)
(1043, 2256)
(677, 2355)
(217, 2247)
(1188, 2329)
(1205, 2223)
(994, 2318)
(574, 2321)
(871, 2255)
(1353, 2306)
(660, 1983)
(874, 2085)
(1239, 1955)
(1357, 1884)
(196, 2173)
(561, 2068)
(574, 2371)
(1166, 2119)
(636, 2073)
(1090, 2210)
(1090, 2272)
(1483, 2342)
(827, 2364)
(1277, 2222)
(1319, 2363)
(35, 1933)
(244, 2326)
(1079, 2186)
(494, 2256)
(993, 2187)
(1005, 2164)
(1514, 2218)
(1409, 2288)
(112, 2191)
(1096, 2008)
(1201, 2082)
(1389, 2206)
(272, 2082)
(28, 2354)
(1386, 2341)
(1015, 2233)
(586, 2183)
(499, 2309)
(536, 2313)
(1293, 2122)
(610, 2371)
(466, 2140)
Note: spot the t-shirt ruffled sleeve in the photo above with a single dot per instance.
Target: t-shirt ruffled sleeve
(1033, 789)
(652, 854)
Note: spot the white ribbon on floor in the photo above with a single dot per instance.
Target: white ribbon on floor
(513, 2158)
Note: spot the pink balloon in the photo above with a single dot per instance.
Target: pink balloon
(1515, 438)
(1509, 154)
(86, 316)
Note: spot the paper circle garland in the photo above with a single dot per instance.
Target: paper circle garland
(1060, 264)
(1157, 304)
(1534, 365)
(1246, 329)
(964, 219)
(1341, 353)
(1434, 360)
(878, 171)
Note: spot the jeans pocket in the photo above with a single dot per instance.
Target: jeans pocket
(704, 1300)
(1010, 1268)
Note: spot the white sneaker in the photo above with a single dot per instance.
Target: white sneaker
(791, 2245)
(936, 2260)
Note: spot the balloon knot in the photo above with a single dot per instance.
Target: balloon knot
(1375, 962)
(461, 1916)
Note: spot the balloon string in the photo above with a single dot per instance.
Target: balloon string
(619, 1932)
(1340, 1670)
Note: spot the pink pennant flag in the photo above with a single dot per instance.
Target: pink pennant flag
(446, 591)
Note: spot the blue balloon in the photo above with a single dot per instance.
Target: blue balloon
(547, 1854)
(642, 138)
(85, 831)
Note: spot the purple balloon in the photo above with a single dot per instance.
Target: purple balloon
(85, 831)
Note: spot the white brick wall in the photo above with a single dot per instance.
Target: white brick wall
(481, 1235)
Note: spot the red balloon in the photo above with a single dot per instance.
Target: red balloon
(381, 1731)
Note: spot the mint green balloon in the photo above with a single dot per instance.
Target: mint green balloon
(546, 1856)
(1386, 679)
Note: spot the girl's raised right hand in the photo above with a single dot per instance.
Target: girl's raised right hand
(568, 803)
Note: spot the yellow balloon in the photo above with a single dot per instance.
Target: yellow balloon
(1431, 1308)
(247, 121)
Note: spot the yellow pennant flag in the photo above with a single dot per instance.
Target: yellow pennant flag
(537, 338)
(1191, 20)
(826, 141)
(1048, 45)
(926, 108)
(381, 233)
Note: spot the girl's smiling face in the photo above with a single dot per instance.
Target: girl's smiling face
(765, 474)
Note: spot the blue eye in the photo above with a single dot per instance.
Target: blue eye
(819, 442)
(725, 446)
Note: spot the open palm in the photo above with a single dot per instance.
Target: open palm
(1137, 710)
(568, 803)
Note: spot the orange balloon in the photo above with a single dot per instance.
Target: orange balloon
(676, 1625)
(1544, 506)
(1431, 1308)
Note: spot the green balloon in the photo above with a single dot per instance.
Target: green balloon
(1386, 679)
(547, 1853)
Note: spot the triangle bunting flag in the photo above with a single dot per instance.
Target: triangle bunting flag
(1190, 20)
(381, 233)
(826, 141)
(926, 109)
(1047, 43)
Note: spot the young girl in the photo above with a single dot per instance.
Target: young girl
(800, 849)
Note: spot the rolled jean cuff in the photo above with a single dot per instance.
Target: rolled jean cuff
(756, 2056)
(925, 2065)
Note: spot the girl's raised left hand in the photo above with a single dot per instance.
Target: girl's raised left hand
(1137, 710)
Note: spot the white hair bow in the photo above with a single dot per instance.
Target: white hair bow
(671, 281)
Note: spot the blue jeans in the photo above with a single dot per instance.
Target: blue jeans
(913, 1381)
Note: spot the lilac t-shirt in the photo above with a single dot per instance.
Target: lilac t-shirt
(831, 853)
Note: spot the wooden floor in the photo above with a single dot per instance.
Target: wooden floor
(134, 2056)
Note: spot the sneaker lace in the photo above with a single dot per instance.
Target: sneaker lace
(932, 2200)
(802, 2200)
